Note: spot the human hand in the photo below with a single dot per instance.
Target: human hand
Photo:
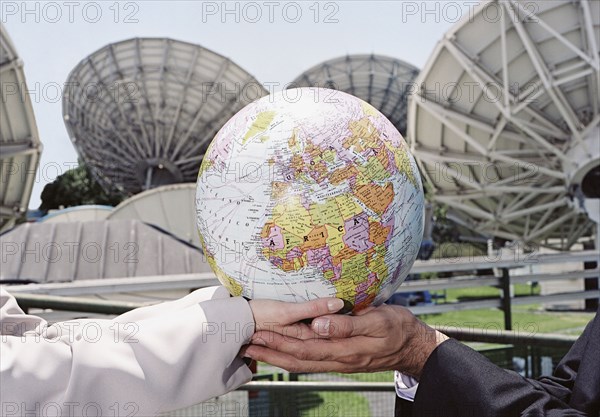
(376, 339)
(285, 318)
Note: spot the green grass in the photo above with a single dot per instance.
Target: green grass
(387, 376)
(479, 293)
(338, 404)
(331, 403)
(326, 403)
(527, 319)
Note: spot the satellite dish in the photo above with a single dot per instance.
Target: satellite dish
(82, 213)
(383, 82)
(95, 250)
(170, 207)
(21, 146)
(142, 112)
(505, 123)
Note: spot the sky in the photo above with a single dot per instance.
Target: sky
(275, 41)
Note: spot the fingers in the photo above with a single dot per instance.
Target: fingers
(348, 351)
(339, 326)
(365, 311)
(294, 312)
(299, 331)
(292, 364)
(373, 322)
(308, 363)
(309, 349)
(374, 340)
(282, 314)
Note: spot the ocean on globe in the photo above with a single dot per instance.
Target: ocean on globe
(310, 193)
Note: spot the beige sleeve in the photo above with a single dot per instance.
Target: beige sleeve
(150, 360)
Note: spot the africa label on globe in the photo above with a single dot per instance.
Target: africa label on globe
(310, 193)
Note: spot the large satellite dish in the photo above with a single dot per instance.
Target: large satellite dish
(383, 82)
(96, 250)
(84, 213)
(142, 112)
(170, 207)
(505, 123)
(19, 139)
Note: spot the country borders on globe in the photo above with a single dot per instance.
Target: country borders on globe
(310, 197)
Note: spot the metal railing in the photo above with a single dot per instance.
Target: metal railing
(47, 295)
(80, 304)
(510, 343)
(277, 397)
(503, 282)
(509, 337)
(307, 386)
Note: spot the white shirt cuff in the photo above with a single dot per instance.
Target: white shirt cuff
(406, 386)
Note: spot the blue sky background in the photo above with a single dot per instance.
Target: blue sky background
(275, 46)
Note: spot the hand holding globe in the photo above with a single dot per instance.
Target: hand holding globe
(310, 193)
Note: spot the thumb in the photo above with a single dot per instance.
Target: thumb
(295, 312)
(283, 314)
(340, 326)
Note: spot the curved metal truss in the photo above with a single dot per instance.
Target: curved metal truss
(170, 207)
(505, 123)
(383, 82)
(83, 213)
(19, 139)
(142, 112)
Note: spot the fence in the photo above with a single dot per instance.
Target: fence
(335, 395)
(504, 265)
(29, 295)
(301, 395)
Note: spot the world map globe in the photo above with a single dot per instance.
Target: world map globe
(310, 193)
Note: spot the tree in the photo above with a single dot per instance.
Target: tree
(76, 187)
(444, 229)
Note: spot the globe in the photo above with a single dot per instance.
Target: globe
(310, 193)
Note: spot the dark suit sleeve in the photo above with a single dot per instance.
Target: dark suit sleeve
(458, 381)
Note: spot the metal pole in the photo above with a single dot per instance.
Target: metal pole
(307, 386)
(506, 300)
(516, 338)
(87, 305)
(591, 304)
(148, 178)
